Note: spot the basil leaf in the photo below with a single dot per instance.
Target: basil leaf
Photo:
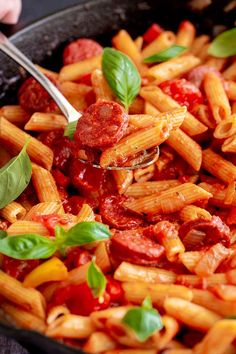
(86, 232)
(14, 177)
(70, 129)
(121, 75)
(144, 321)
(3, 234)
(223, 46)
(147, 303)
(28, 246)
(165, 54)
(96, 280)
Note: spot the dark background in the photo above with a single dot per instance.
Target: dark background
(35, 9)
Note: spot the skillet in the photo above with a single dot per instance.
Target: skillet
(44, 41)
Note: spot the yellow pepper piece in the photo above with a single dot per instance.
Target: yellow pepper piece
(51, 270)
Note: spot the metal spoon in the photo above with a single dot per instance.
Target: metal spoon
(67, 109)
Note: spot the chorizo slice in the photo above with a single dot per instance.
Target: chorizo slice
(81, 49)
(201, 232)
(132, 246)
(34, 98)
(102, 125)
(116, 215)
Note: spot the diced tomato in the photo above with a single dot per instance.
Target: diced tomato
(152, 33)
(114, 289)
(50, 221)
(79, 299)
(183, 91)
(76, 202)
(76, 257)
(50, 138)
(18, 269)
(60, 179)
(85, 79)
(231, 218)
(87, 179)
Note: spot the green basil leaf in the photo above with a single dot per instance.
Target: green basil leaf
(96, 280)
(70, 129)
(223, 46)
(147, 303)
(3, 234)
(14, 177)
(27, 246)
(165, 54)
(122, 75)
(144, 321)
(86, 232)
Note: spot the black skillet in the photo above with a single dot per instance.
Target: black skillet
(43, 42)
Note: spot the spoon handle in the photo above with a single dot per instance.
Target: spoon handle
(13, 52)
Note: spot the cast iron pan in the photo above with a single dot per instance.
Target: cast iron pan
(43, 42)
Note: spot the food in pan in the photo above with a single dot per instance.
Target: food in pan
(139, 261)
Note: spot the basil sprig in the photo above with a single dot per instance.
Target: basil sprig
(70, 129)
(165, 54)
(96, 280)
(33, 246)
(122, 75)
(144, 320)
(224, 45)
(14, 177)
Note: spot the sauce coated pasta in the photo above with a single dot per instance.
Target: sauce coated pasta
(116, 262)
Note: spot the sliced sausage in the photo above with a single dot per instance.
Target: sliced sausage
(102, 125)
(197, 75)
(34, 98)
(132, 246)
(116, 215)
(81, 49)
(201, 232)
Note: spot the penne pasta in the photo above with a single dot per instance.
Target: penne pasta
(142, 175)
(186, 34)
(14, 114)
(226, 128)
(127, 272)
(173, 68)
(100, 86)
(136, 292)
(29, 299)
(229, 73)
(217, 97)
(44, 208)
(85, 214)
(44, 185)
(190, 314)
(99, 342)
(229, 145)
(165, 40)
(163, 102)
(225, 330)
(207, 299)
(124, 43)
(132, 144)
(123, 180)
(192, 212)
(13, 212)
(181, 195)
(23, 319)
(21, 227)
(72, 72)
(15, 138)
(198, 44)
(70, 326)
(218, 166)
(178, 140)
(41, 122)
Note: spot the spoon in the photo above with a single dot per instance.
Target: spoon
(66, 108)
